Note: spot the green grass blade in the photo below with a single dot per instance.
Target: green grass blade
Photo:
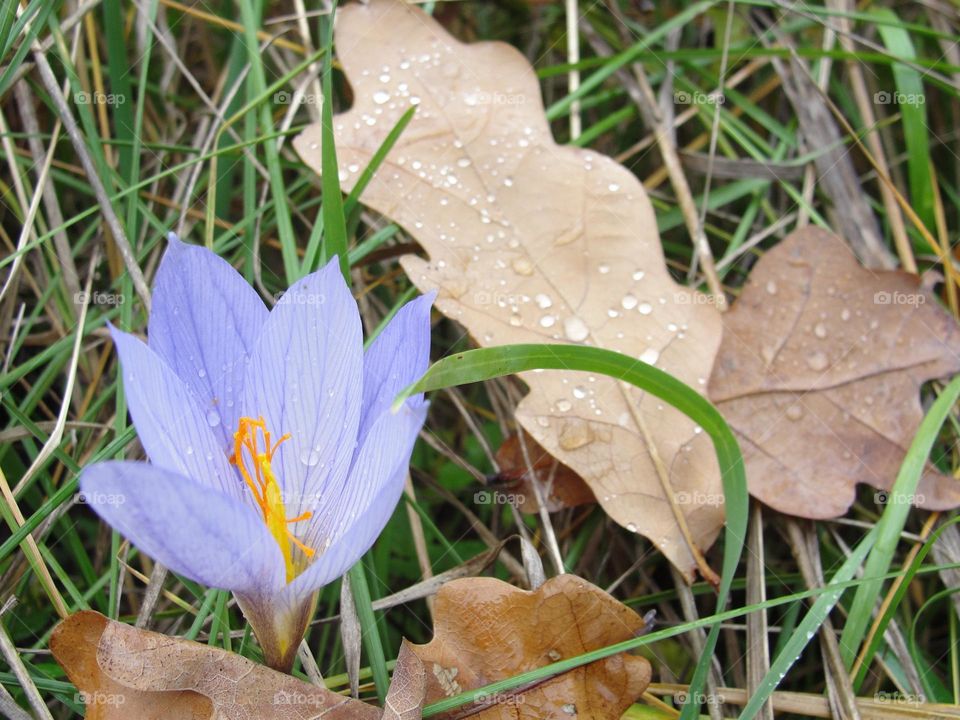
(807, 627)
(370, 632)
(334, 220)
(910, 100)
(350, 204)
(892, 522)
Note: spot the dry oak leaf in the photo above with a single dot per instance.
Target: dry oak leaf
(487, 630)
(819, 375)
(408, 689)
(532, 242)
(561, 486)
(124, 672)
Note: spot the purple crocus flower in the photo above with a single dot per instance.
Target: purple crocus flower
(276, 460)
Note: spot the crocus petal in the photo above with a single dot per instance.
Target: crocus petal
(204, 323)
(304, 380)
(350, 521)
(170, 421)
(189, 527)
(399, 355)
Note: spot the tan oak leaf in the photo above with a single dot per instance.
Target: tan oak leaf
(532, 242)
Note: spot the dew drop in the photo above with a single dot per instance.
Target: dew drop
(820, 330)
(603, 269)
(771, 287)
(650, 356)
(817, 361)
(795, 412)
(575, 329)
(629, 302)
(638, 275)
(543, 301)
(632, 527)
(201, 373)
(564, 405)
(547, 321)
(309, 457)
(579, 392)
(213, 418)
(645, 308)
(381, 96)
(613, 187)
(845, 314)
(522, 266)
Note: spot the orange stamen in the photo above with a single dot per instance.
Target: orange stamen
(266, 491)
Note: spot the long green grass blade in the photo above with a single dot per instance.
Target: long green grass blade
(893, 520)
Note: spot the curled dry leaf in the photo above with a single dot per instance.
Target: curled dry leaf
(820, 371)
(124, 672)
(408, 689)
(561, 486)
(487, 630)
(531, 242)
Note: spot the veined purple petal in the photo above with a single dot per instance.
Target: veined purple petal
(191, 528)
(204, 323)
(169, 419)
(351, 519)
(305, 379)
(398, 356)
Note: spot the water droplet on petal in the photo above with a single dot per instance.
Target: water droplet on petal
(309, 457)
(213, 418)
(201, 373)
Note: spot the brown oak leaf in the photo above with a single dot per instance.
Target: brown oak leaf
(819, 375)
(123, 672)
(561, 486)
(487, 630)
